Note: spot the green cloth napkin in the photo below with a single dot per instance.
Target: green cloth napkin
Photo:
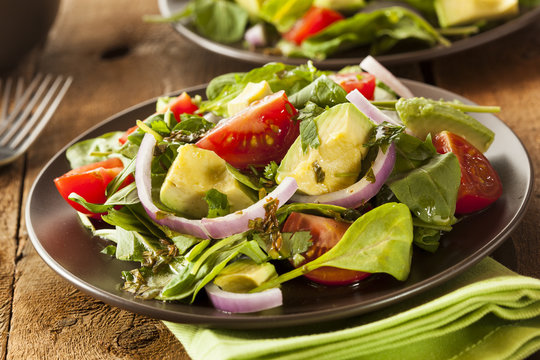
(488, 312)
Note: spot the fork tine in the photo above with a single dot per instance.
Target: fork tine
(36, 130)
(5, 98)
(23, 99)
(16, 123)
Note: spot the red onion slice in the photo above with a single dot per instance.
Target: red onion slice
(243, 303)
(360, 192)
(371, 111)
(255, 36)
(216, 228)
(376, 69)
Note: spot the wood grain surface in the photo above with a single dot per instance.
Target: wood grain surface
(116, 61)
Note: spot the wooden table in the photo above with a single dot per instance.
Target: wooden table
(117, 61)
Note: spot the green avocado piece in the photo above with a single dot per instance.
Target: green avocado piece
(336, 163)
(244, 275)
(424, 116)
(251, 6)
(195, 171)
(461, 12)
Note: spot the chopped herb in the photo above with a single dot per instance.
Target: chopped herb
(270, 170)
(319, 172)
(309, 135)
(384, 134)
(218, 205)
(370, 176)
(267, 231)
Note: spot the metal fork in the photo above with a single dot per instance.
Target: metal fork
(23, 116)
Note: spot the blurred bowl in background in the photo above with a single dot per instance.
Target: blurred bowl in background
(24, 25)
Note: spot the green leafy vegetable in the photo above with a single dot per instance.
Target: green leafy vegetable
(382, 29)
(218, 205)
(379, 241)
(93, 150)
(430, 191)
(309, 135)
(220, 20)
(323, 92)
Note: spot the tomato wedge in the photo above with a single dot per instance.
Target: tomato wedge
(325, 233)
(361, 81)
(261, 133)
(480, 184)
(313, 21)
(183, 104)
(128, 132)
(90, 182)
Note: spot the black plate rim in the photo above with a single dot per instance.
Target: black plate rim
(508, 27)
(248, 321)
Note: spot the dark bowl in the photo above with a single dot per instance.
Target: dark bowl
(24, 25)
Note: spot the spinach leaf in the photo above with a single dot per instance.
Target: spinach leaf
(220, 20)
(323, 92)
(219, 83)
(427, 239)
(93, 150)
(411, 152)
(378, 241)
(278, 75)
(382, 28)
(430, 191)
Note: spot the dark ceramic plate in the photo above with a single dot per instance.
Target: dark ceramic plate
(67, 247)
(237, 51)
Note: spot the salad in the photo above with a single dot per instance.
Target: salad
(319, 29)
(281, 172)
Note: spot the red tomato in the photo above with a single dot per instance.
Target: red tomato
(480, 185)
(313, 21)
(261, 133)
(182, 105)
(124, 137)
(325, 233)
(363, 82)
(90, 182)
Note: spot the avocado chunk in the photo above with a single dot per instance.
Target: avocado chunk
(336, 163)
(194, 172)
(244, 275)
(460, 12)
(251, 6)
(252, 92)
(424, 116)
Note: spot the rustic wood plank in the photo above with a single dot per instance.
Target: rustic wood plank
(116, 61)
(507, 73)
(11, 177)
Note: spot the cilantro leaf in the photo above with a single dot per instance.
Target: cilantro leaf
(218, 204)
